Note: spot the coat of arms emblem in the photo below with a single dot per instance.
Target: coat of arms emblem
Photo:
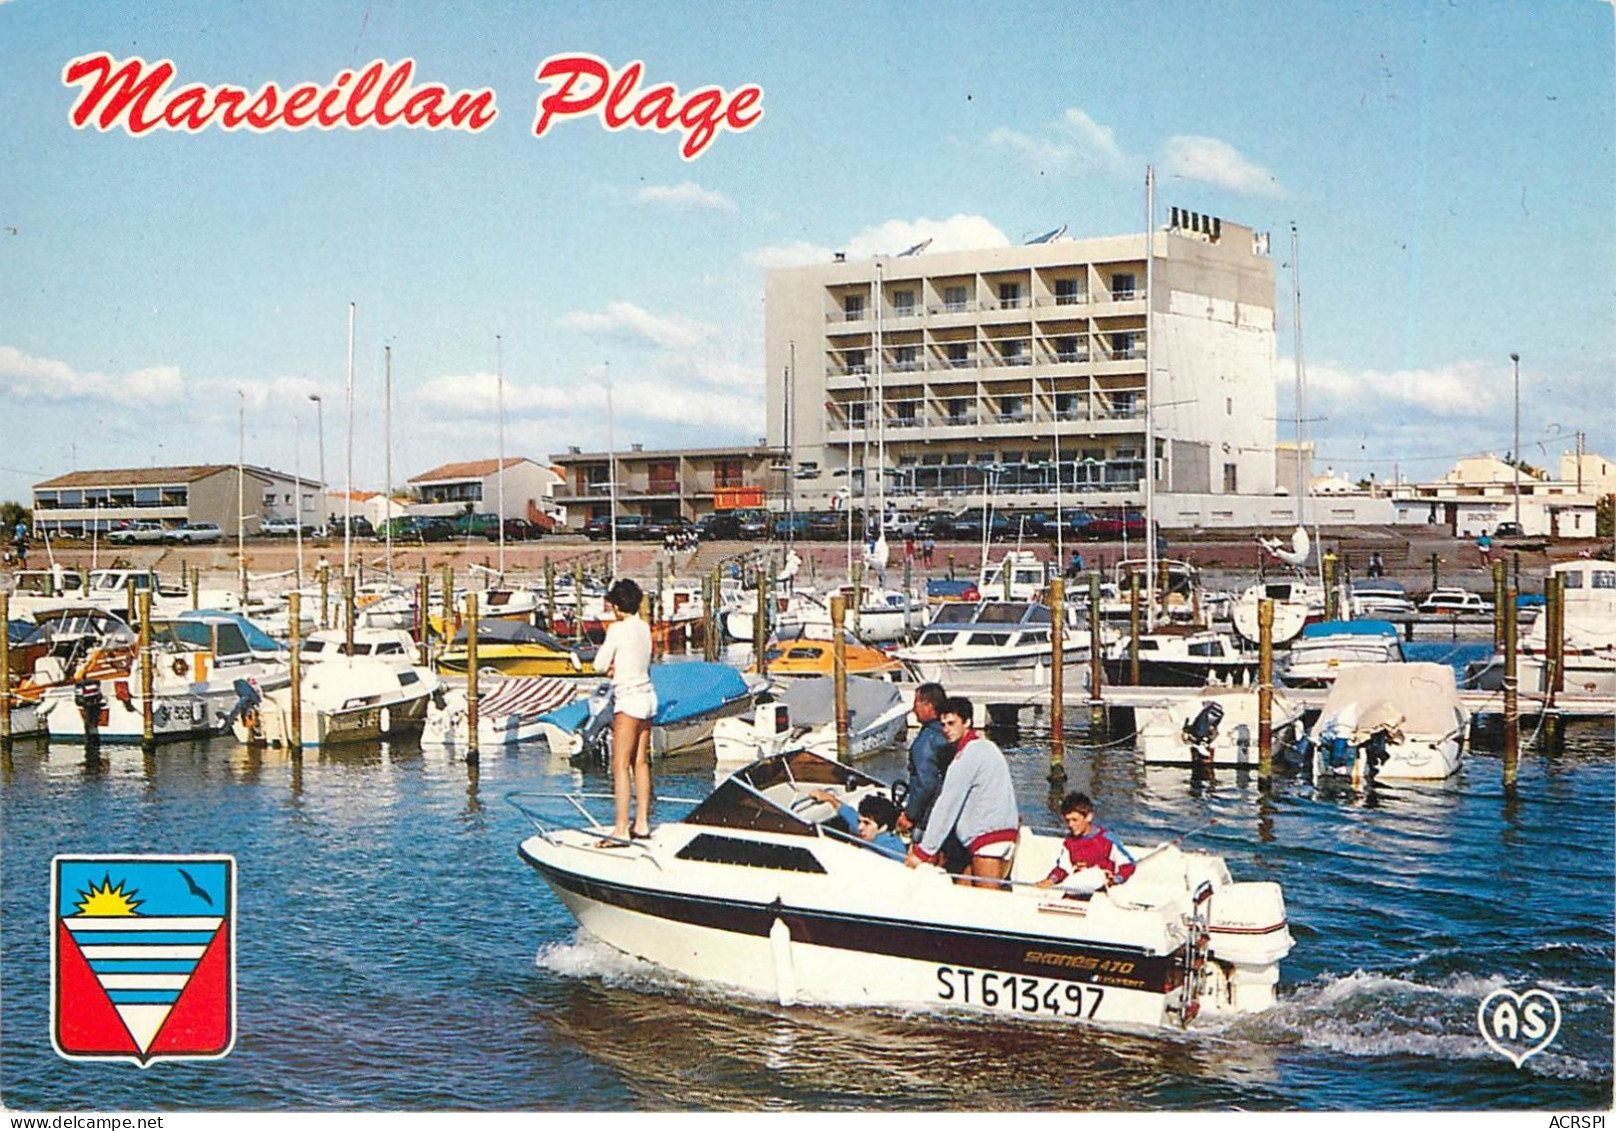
(143, 963)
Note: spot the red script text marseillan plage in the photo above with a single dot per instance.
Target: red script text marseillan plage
(140, 97)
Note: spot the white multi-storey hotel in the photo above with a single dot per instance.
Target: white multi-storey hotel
(979, 372)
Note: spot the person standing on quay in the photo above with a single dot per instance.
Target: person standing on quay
(1484, 544)
(625, 656)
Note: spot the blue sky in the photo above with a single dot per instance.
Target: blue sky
(1450, 168)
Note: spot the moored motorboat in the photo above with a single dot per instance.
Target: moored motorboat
(1390, 721)
(801, 653)
(1589, 646)
(750, 891)
(1322, 650)
(1005, 643)
(800, 714)
(692, 697)
(351, 699)
(514, 648)
(1218, 728)
(1180, 656)
(509, 711)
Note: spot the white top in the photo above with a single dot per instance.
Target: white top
(628, 645)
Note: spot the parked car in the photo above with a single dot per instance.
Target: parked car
(469, 524)
(434, 529)
(134, 533)
(752, 524)
(827, 526)
(361, 527)
(791, 526)
(277, 527)
(1455, 601)
(517, 530)
(969, 522)
(1509, 530)
(630, 528)
(901, 524)
(935, 524)
(1130, 524)
(718, 525)
(194, 532)
(658, 527)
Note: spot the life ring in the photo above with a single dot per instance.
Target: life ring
(180, 666)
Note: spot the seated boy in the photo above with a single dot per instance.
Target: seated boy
(872, 822)
(1089, 859)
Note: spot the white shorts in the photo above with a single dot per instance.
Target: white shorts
(999, 850)
(635, 704)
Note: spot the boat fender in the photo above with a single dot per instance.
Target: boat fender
(180, 666)
(785, 975)
(385, 720)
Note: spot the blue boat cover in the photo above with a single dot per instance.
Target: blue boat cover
(257, 639)
(1350, 628)
(683, 691)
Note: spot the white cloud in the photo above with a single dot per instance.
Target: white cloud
(1077, 146)
(1217, 162)
(27, 376)
(1465, 389)
(957, 233)
(687, 196)
(624, 321)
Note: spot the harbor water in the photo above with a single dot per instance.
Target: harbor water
(395, 954)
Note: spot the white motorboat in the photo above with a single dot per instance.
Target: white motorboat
(351, 699)
(198, 659)
(509, 711)
(1316, 656)
(1590, 633)
(1005, 643)
(1379, 596)
(750, 891)
(692, 699)
(390, 645)
(1390, 721)
(1027, 578)
(879, 616)
(1217, 728)
(1296, 603)
(1174, 657)
(800, 714)
(25, 720)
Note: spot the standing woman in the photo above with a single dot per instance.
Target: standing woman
(625, 656)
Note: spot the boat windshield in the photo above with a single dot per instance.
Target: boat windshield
(757, 796)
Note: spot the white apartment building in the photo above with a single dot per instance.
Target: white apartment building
(977, 372)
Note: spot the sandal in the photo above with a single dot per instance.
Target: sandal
(611, 842)
(646, 835)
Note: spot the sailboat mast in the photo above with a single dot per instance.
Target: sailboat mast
(241, 484)
(387, 423)
(611, 472)
(1150, 401)
(347, 487)
(791, 452)
(499, 378)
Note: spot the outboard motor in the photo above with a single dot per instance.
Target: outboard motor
(91, 701)
(1202, 731)
(598, 728)
(248, 697)
(1337, 752)
(1374, 751)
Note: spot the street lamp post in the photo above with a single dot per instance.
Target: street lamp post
(319, 412)
(1516, 358)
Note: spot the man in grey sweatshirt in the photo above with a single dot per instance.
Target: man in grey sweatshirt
(977, 802)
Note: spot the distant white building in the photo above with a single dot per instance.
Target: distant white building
(82, 501)
(1480, 492)
(526, 486)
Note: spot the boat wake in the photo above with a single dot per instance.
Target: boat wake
(1373, 1014)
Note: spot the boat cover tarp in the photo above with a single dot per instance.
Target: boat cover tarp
(1425, 695)
(1349, 628)
(812, 702)
(526, 695)
(683, 691)
(496, 631)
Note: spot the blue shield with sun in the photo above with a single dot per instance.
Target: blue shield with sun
(143, 963)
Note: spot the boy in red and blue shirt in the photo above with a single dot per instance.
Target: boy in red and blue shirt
(1089, 859)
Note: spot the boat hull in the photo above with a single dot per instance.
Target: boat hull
(804, 955)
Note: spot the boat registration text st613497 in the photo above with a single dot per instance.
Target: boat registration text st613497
(1017, 993)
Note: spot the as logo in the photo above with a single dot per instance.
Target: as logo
(1519, 1025)
(143, 963)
